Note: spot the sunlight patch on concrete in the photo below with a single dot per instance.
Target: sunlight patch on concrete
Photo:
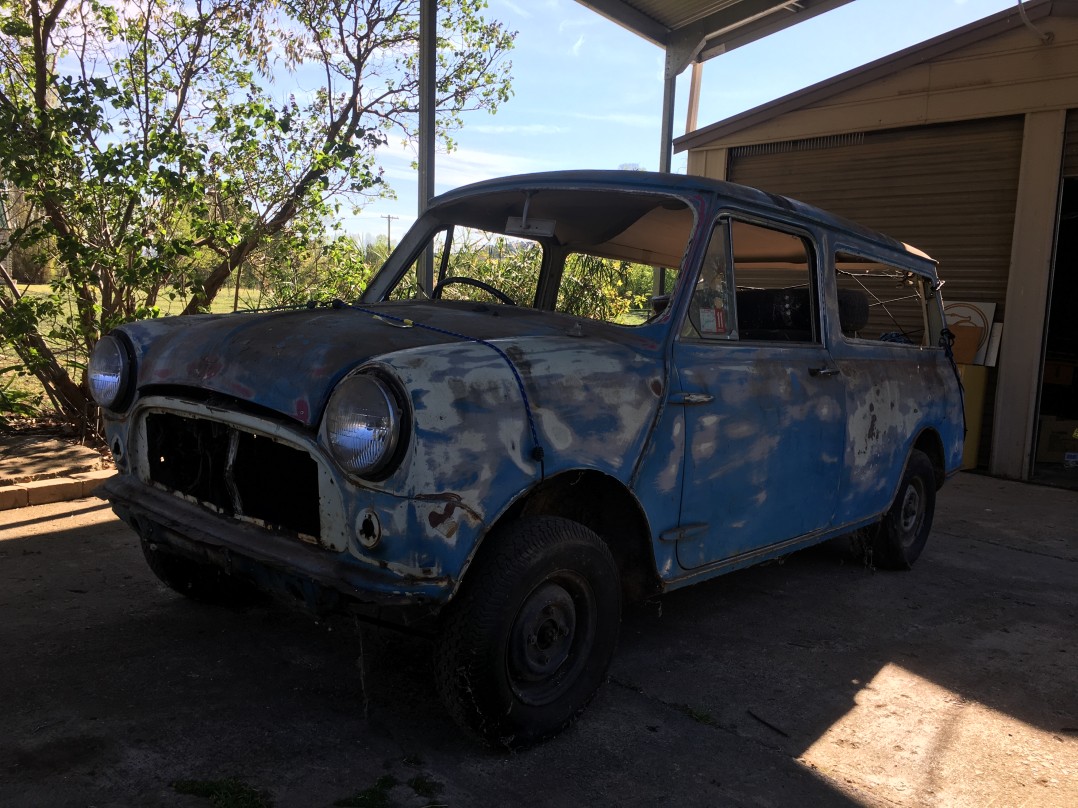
(913, 743)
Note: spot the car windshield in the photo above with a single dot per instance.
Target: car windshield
(587, 253)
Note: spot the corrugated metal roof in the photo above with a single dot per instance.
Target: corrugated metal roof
(973, 33)
(695, 30)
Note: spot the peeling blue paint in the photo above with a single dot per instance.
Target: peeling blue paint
(734, 450)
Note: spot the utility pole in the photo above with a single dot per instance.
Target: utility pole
(389, 230)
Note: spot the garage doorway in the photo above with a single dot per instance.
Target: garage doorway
(1056, 461)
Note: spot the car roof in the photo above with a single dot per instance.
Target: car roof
(677, 184)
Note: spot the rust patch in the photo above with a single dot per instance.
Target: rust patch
(207, 367)
(452, 502)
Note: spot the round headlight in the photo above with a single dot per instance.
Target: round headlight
(363, 425)
(108, 372)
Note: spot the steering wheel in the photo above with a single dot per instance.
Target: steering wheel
(436, 292)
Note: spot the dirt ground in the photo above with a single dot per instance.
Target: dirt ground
(812, 682)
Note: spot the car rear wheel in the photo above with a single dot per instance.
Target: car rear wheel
(530, 636)
(902, 534)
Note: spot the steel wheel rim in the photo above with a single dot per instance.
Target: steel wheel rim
(911, 514)
(550, 638)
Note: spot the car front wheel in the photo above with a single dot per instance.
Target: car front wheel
(530, 636)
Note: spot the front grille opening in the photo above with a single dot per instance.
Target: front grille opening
(189, 456)
(234, 472)
(277, 483)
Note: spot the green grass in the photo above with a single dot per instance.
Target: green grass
(426, 786)
(228, 793)
(700, 715)
(377, 796)
(25, 388)
(249, 298)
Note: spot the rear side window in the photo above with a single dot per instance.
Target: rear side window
(879, 302)
(756, 284)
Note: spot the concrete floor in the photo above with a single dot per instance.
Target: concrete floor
(811, 682)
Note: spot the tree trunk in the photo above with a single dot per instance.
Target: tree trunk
(68, 397)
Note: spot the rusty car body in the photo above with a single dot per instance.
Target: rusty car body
(501, 470)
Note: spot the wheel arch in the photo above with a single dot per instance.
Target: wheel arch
(931, 444)
(602, 504)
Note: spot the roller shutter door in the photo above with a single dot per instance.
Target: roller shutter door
(1070, 153)
(949, 189)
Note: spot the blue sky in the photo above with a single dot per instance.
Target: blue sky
(587, 93)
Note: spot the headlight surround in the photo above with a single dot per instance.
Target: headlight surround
(109, 372)
(363, 425)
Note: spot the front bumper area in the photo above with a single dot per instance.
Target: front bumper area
(274, 562)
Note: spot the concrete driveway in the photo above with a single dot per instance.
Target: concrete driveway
(811, 682)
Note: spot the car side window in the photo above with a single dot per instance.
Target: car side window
(880, 302)
(756, 284)
(710, 313)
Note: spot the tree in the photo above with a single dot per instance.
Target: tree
(156, 156)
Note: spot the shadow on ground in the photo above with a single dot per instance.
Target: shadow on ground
(116, 687)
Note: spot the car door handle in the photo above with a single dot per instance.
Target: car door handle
(691, 398)
(824, 371)
(682, 532)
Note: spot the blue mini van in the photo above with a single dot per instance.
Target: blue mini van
(504, 458)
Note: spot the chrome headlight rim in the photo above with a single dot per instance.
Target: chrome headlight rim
(381, 460)
(109, 373)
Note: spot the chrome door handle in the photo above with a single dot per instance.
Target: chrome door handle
(824, 371)
(691, 398)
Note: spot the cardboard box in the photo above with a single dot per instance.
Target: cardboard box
(1058, 437)
(974, 379)
(971, 324)
(1058, 372)
(967, 341)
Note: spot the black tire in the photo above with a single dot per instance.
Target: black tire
(201, 582)
(904, 530)
(529, 637)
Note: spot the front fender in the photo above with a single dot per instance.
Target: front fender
(475, 427)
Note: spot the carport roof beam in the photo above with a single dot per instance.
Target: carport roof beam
(697, 30)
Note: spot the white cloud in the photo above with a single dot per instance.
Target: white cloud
(575, 50)
(621, 118)
(471, 165)
(524, 10)
(516, 9)
(457, 168)
(517, 129)
(568, 25)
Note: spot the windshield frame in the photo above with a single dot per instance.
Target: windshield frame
(444, 217)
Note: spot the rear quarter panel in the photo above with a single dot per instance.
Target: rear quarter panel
(894, 393)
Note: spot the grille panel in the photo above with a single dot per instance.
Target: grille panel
(234, 472)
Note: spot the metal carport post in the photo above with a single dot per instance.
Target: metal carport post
(428, 31)
(693, 31)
